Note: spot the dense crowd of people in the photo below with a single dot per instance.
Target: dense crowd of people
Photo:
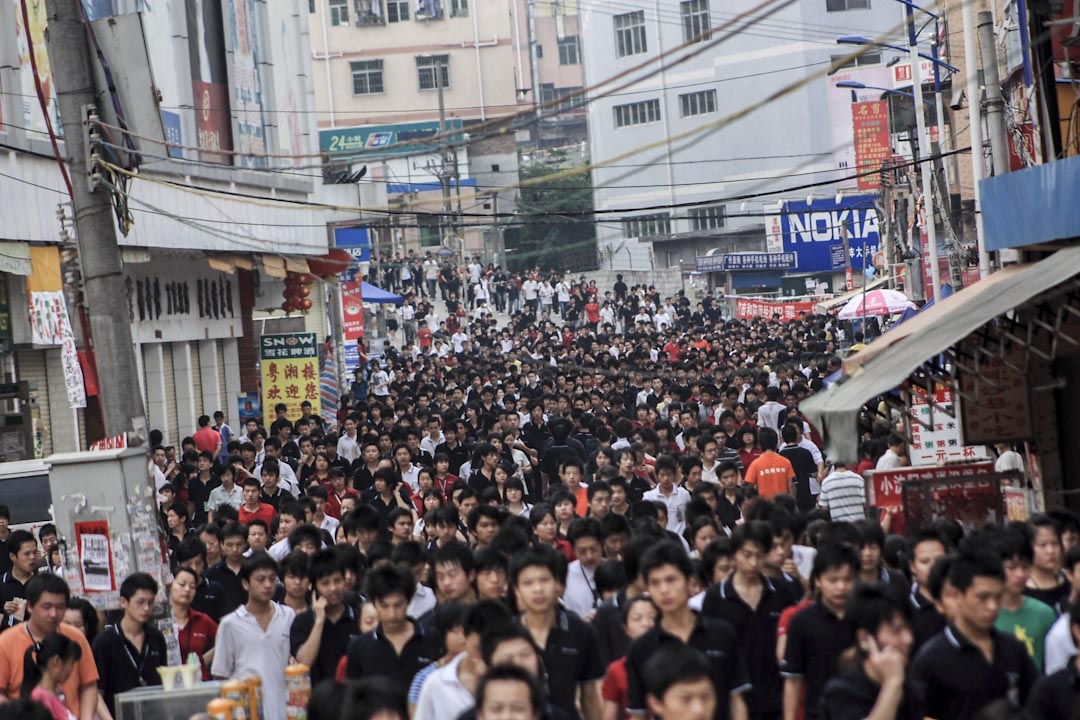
(622, 514)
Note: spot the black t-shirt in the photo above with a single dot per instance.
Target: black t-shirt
(121, 667)
(816, 638)
(1056, 695)
(713, 637)
(572, 656)
(211, 599)
(336, 637)
(952, 678)
(235, 595)
(373, 655)
(199, 495)
(802, 462)
(756, 630)
(852, 696)
(926, 621)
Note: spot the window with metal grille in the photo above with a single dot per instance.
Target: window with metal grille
(695, 19)
(568, 100)
(427, 66)
(638, 113)
(630, 33)
(842, 5)
(397, 10)
(339, 12)
(369, 12)
(697, 103)
(367, 77)
(568, 51)
(645, 225)
(459, 8)
(710, 217)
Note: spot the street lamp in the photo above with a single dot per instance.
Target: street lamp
(855, 85)
(925, 166)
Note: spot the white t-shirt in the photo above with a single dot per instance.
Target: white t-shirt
(243, 648)
(676, 506)
(443, 695)
(888, 461)
(580, 595)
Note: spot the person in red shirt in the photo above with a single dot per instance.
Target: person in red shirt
(424, 335)
(673, 349)
(640, 616)
(207, 439)
(772, 473)
(592, 312)
(252, 508)
(195, 630)
(336, 491)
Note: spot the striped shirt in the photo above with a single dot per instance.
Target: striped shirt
(844, 494)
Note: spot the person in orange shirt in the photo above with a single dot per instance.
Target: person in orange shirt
(571, 472)
(771, 473)
(47, 598)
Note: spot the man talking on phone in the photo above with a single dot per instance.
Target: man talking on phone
(320, 637)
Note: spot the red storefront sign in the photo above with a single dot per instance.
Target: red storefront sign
(872, 146)
(213, 127)
(884, 490)
(749, 309)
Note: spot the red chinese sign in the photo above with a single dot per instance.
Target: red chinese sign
(872, 146)
(885, 491)
(749, 309)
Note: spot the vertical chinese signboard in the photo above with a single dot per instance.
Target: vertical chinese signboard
(941, 442)
(872, 146)
(290, 371)
(1000, 409)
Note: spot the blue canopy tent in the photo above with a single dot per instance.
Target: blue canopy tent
(372, 294)
(946, 291)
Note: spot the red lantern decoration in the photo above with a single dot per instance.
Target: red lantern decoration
(303, 291)
(305, 304)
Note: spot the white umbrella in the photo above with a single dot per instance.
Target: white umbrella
(874, 303)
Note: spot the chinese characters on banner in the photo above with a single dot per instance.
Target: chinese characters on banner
(942, 442)
(885, 488)
(1002, 410)
(290, 371)
(748, 309)
(872, 146)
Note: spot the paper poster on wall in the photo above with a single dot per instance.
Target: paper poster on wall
(95, 555)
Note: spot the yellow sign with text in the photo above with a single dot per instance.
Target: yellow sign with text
(290, 372)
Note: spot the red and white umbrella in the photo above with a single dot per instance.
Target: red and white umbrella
(875, 303)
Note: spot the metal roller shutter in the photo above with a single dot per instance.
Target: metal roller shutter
(196, 380)
(31, 367)
(171, 432)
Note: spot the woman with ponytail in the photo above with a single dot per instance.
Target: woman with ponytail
(46, 667)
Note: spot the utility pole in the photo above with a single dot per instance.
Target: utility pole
(102, 268)
(975, 129)
(995, 103)
(444, 151)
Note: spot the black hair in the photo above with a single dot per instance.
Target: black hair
(91, 625)
(364, 517)
(610, 576)
(296, 563)
(408, 554)
(190, 547)
(614, 524)
(490, 559)
(37, 657)
(511, 673)
(539, 512)
(233, 529)
(1011, 545)
(598, 486)
(869, 607)
(538, 556)
(972, 563)
(386, 580)
(18, 538)
(180, 509)
(257, 561)
(675, 663)
(497, 634)
(455, 553)
(46, 583)
(758, 532)
(135, 582)
(832, 556)
(483, 510)
(485, 614)
(667, 552)
(368, 697)
(325, 563)
(584, 528)
(448, 616)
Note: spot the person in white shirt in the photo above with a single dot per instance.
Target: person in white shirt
(1008, 459)
(675, 498)
(348, 448)
(772, 410)
(890, 459)
(458, 341)
(586, 538)
(380, 382)
(562, 292)
(431, 274)
(408, 322)
(254, 639)
(434, 437)
(1060, 646)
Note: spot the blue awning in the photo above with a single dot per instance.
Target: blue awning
(372, 294)
(755, 280)
(1031, 206)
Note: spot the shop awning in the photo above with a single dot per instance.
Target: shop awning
(372, 294)
(15, 257)
(826, 306)
(835, 411)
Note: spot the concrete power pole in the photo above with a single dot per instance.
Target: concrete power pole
(995, 103)
(99, 254)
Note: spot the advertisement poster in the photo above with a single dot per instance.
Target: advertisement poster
(209, 80)
(32, 117)
(248, 406)
(872, 143)
(290, 371)
(352, 307)
(815, 231)
(749, 309)
(245, 58)
(941, 442)
(841, 105)
(95, 555)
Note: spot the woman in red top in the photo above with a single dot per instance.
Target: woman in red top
(195, 630)
(639, 616)
(749, 450)
(546, 528)
(444, 479)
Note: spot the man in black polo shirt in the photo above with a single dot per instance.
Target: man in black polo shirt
(874, 686)
(818, 635)
(227, 572)
(970, 664)
(752, 604)
(567, 643)
(320, 637)
(1058, 695)
(399, 646)
(923, 551)
(23, 555)
(200, 487)
(129, 653)
(666, 569)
